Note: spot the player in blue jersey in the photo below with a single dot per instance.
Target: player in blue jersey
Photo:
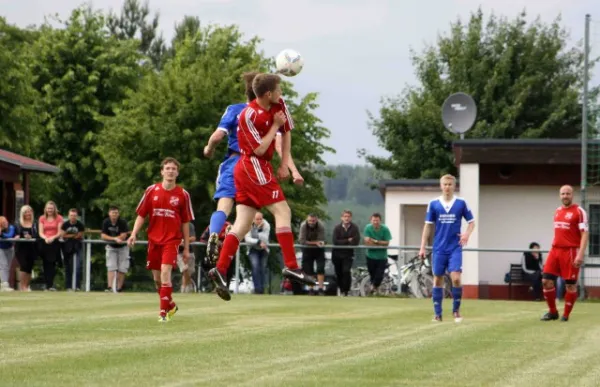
(446, 213)
(225, 187)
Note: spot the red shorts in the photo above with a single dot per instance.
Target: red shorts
(560, 263)
(161, 255)
(253, 192)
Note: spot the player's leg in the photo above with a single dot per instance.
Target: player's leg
(224, 194)
(243, 222)
(168, 308)
(439, 264)
(283, 230)
(550, 273)
(455, 269)
(570, 273)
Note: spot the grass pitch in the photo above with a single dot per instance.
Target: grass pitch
(99, 339)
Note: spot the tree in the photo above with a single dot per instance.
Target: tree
(524, 78)
(133, 24)
(175, 111)
(82, 74)
(19, 101)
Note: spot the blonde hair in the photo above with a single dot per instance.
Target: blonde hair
(22, 212)
(50, 202)
(448, 177)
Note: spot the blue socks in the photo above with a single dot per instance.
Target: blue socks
(456, 297)
(217, 220)
(437, 297)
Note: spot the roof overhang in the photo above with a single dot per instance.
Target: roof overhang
(26, 163)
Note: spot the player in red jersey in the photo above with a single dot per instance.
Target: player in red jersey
(566, 255)
(169, 208)
(255, 180)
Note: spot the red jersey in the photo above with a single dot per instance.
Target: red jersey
(167, 210)
(254, 124)
(569, 222)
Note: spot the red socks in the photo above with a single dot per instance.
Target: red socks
(550, 296)
(228, 250)
(570, 298)
(165, 299)
(286, 241)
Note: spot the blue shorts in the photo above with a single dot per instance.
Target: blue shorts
(225, 184)
(446, 262)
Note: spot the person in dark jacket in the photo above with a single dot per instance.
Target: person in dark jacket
(344, 234)
(532, 269)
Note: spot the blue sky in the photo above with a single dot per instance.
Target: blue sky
(356, 51)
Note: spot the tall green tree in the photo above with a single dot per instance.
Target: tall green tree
(525, 79)
(82, 73)
(175, 111)
(19, 101)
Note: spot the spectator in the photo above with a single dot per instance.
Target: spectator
(115, 230)
(26, 252)
(49, 228)
(72, 235)
(7, 231)
(312, 233)
(377, 234)
(532, 269)
(187, 270)
(344, 234)
(258, 251)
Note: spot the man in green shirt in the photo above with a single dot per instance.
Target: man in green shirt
(377, 234)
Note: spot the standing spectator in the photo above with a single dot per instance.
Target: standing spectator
(344, 234)
(258, 251)
(377, 234)
(72, 235)
(49, 228)
(7, 231)
(26, 252)
(187, 269)
(532, 269)
(115, 229)
(312, 233)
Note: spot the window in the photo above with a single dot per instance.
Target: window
(594, 224)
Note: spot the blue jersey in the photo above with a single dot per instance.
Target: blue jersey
(229, 124)
(447, 217)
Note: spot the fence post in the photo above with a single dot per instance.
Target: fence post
(88, 265)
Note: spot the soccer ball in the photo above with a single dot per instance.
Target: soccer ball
(289, 62)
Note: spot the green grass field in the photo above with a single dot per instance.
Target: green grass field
(99, 339)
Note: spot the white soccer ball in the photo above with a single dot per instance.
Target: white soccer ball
(289, 62)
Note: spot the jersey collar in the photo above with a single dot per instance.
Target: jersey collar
(447, 205)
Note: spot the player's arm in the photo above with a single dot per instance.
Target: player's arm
(585, 237)
(468, 215)
(185, 229)
(218, 135)
(430, 217)
(137, 226)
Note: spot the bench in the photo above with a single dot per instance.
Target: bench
(516, 277)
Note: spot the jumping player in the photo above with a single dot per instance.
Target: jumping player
(225, 192)
(447, 212)
(169, 208)
(566, 255)
(256, 182)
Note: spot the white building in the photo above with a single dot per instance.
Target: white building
(512, 188)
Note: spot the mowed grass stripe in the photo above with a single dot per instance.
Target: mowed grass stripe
(298, 341)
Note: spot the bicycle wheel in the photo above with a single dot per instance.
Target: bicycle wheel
(425, 285)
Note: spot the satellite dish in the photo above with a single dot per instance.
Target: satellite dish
(459, 112)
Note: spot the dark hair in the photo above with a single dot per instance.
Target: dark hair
(113, 208)
(376, 215)
(169, 160)
(534, 244)
(248, 80)
(263, 83)
(74, 210)
(347, 212)
(312, 215)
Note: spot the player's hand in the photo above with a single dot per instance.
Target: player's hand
(131, 241)
(208, 152)
(298, 179)
(578, 262)
(186, 255)
(464, 239)
(280, 118)
(283, 172)
(422, 253)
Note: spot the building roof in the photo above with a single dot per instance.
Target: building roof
(410, 185)
(540, 151)
(26, 163)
